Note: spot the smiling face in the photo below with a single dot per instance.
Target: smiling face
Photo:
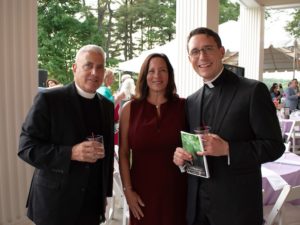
(89, 70)
(208, 62)
(157, 76)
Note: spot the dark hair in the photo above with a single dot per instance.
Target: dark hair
(273, 87)
(53, 80)
(142, 89)
(206, 31)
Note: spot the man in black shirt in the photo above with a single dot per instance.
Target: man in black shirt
(244, 133)
(73, 176)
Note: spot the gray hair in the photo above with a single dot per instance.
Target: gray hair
(91, 48)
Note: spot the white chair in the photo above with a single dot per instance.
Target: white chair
(287, 146)
(283, 213)
(118, 194)
(287, 129)
(296, 138)
(118, 190)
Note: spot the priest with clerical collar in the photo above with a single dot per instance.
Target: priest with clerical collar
(59, 138)
(244, 133)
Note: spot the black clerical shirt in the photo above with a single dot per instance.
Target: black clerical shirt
(92, 117)
(210, 101)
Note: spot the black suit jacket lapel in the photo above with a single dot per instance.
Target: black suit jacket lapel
(194, 110)
(227, 94)
(103, 120)
(200, 108)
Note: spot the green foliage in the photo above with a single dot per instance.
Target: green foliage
(63, 27)
(293, 26)
(228, 11)
(142, 24)
(124, 28)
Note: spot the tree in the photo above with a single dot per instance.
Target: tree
(123, 45)
(63, 27)
(293, 27)
(228, 11)
(124, 28)
(142, 24)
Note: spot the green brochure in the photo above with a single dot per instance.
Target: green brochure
(192, 143)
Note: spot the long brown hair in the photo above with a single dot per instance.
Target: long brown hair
(142, 89)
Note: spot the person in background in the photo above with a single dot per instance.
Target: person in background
(126, 92)
(150, 127)
(244, 133)
(275, 93)
(104, 89)
(292, 95)
(127, 89)
(53, 83)
(73, 175)
(280, 89)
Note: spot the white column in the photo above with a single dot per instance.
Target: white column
(191, 14)
(251, 55)
(18, 85)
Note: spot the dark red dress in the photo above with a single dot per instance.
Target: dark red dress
(154, 176)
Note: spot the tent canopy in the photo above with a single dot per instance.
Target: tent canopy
(134, 65)
(275, 59)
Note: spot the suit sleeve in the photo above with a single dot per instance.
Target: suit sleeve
(109, 157)
(264, 143)
(35, 145)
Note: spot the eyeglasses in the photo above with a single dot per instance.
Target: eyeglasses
(207, 50)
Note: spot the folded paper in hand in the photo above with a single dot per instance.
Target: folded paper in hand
(192, 143)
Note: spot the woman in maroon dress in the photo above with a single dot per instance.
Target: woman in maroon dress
(150, 127)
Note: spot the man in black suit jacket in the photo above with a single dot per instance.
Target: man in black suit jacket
(244, 133)
(73, 176)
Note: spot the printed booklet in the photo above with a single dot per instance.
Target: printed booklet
(192, 143)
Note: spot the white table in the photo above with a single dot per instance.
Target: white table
(287, 169)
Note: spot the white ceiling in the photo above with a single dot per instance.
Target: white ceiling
(271, 3)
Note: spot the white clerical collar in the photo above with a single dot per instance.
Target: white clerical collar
(210, 83)
(84, 94)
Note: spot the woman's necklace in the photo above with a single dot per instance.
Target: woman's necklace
(157, 102)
